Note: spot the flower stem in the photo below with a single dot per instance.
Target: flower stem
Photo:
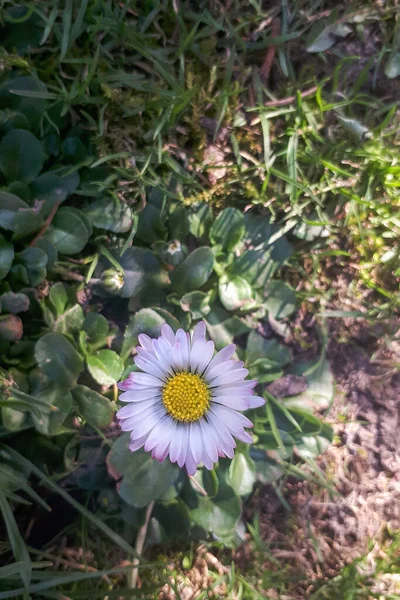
(140, 539)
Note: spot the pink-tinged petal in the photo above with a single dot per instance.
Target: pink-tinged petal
(249, 384)
(256, 401)
(145, 342)
(140, 395)
(230, 377)
(167, 333)
(234, 420)
(149, 367)
(245, 437)
(222, 430)
(199, 332)
(162, 448)
(207, 462)
(190, 462)
(221, 356)
(137, 443)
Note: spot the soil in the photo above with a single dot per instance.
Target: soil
(322, 533)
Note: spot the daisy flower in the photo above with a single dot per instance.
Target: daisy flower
(186, 402)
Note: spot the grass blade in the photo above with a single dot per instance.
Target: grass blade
(67, 20)
(19, 549)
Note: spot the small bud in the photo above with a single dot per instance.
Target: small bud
(113, 281)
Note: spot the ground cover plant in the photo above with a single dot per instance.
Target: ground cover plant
(165, 163)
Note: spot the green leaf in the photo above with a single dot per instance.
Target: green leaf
(140, 267)
(259, 347)
(197, 303)
(200, 221)
(96, 326)
(74, 150)
(35, 261)
(235, 293)
(174, 516)
(223, 328)
(106, 367)
(242, 473)
(52, 394)
(194, 272)
(68, 232)
(210, 482)
(228, 229)
(219, 514)
(58, 359)
(14, 303)
(280, 300)
(110, 214)
(320, 387)
(151, 227)
(144, 479)
(6, 255)
(51, 188)
(97, 410)
(10, 205)
(146, 320)
(392, 68)
(59, 298)
(21, 156)
(12, 95)
(70, 321)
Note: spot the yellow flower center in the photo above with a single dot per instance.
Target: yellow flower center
(186, 397)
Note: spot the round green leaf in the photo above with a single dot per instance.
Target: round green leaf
(68, 232)
(51, 188)
(144, 479)
(242, 473)
(106, 367)
(74, 150)
(193, 273)
(6, 256)
(259, 347)
(197, 303)
(280, 300)
(228, 229)
(235, 293)
(14, 303)
(21, 156)
(219, 514)
(96, 326)
(58, 359)
(174, 516)
(140, 267)
(111, 214)
(97, 410)
(146, 320)
(11, 95)
(35, 261)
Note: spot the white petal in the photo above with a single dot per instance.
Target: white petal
(225, 367)
(256, 401)
(147, 421)
(195, 440)
(146, 380)
(149, 367)
(232, 402)
(184, 341)
(145, 341)
(184, 445)
(197, 351)
(233, 420)
(177, 356)
(206, 357)
(140, 395)
(176, 443)
(162, 448)
(209, 443)
(199, 332)
(133, 409)
(161, 432)
(230, 377)
(167, 333)
(221, 356)
(163, 352)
